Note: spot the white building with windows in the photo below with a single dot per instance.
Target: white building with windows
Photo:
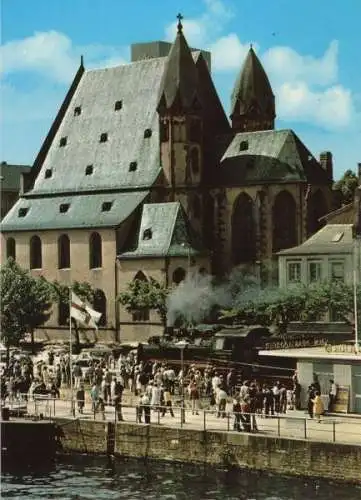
(330, 254)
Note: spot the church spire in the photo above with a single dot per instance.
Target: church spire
(252, 101)
(179, 82)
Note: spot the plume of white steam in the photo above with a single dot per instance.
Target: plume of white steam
(193, 299)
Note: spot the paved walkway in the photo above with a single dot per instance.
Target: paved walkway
(295, 424)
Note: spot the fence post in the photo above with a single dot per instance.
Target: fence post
(278, 426)
(334, 431)
(228, 422)
(204, 420)
(305, 428)
(181, 418)
(158, 416)
(54, 406)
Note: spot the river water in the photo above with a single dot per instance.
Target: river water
(84, 477)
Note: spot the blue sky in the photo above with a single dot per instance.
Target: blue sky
(309, 48)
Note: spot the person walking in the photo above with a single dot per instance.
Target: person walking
(332, 395)
(80, 398)
(311, 395)
(167, 396)
(318, 408)
(221, 400)
(194, 397)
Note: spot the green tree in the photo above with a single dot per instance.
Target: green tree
(25, 303)
(345, 187)
(150, 295)
(278, 307)
(61, 295)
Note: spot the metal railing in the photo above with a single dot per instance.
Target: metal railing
(331, 429)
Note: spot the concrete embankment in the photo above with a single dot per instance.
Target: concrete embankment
(254, 451)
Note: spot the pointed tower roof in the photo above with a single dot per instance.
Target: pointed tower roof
(179, 82)
(252, 87)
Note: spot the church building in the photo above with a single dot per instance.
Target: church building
(142, 175)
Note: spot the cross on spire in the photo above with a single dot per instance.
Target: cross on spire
(179, 26)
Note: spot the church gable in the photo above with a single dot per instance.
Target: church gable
(269, 156)
(163, 231)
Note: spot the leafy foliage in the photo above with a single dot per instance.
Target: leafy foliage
(345, 187)
(82, 289)
(142, 294)
(279, 307)
(25, 305)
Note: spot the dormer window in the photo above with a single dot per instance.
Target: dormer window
(23, 211)
(106, 206)
(64, 207)
(63, 142)
(133, 166)
(77, 111)
(118, 105)
(243, 146)
(48, 173)
(147, 133)
(147, 234)
(89, 170)
(103, 137)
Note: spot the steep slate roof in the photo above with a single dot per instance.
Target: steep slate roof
(331, 239)
(137, 86)
(179, 83)
(269, 156)
(84, 211)
(11, 176)
(252, 86)
(170, 234)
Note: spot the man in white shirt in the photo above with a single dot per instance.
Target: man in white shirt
(221, 400)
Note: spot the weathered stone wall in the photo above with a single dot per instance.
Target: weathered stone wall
(285, 456)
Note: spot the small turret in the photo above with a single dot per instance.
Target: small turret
(252, 101)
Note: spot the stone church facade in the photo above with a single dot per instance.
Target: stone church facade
(142, 175)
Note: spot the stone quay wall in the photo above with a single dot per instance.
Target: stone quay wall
(253, 451)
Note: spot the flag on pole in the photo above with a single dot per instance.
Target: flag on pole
(83, 313)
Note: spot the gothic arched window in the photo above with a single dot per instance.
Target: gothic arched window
(100, 305)
(10, 248)
(63, 313)
(243, 230)
(64, 252)
(35, 253)
(95, 251)
(178, 275)
(284, 222)
(195, 160)
(140, 276)
(316, 208)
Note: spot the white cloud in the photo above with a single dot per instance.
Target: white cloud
(330, 108)
(228, 53)
(53, 55)
(286, 64)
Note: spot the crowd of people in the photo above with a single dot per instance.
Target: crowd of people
(157, 387)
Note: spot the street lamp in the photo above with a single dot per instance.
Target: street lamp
(182, 344)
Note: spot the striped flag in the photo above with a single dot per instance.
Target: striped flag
(83, 313)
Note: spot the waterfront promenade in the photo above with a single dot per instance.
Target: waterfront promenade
(294, 425)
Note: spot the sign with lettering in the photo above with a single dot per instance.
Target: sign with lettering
(295, 343)
(341, 348)
(341, 403)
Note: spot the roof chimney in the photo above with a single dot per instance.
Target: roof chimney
(327, 163)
